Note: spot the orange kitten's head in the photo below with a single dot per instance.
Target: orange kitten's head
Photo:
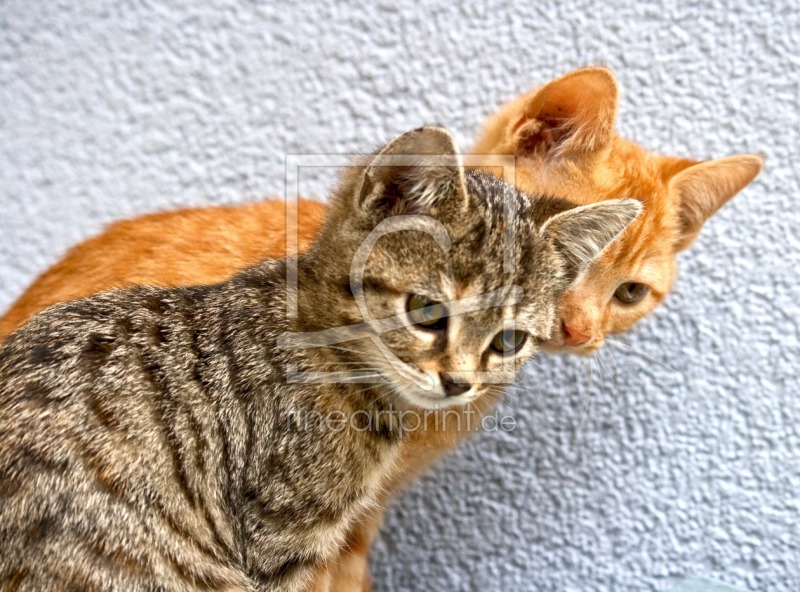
(563, 138)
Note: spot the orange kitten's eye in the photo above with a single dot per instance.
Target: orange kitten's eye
(631, 292)
(427, 313)
(508, 341)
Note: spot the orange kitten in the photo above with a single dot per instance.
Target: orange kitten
(564, 140)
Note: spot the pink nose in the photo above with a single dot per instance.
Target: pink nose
(573, 335)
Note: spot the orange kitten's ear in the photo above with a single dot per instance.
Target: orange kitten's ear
(574, 113)
(705, 187)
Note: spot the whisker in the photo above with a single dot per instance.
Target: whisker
(365, 389)
(334, 368)
(339, 347)
(600, 364)
(590, 395)
(590, 372)
(494, 396)
(346, 363)
(615, 370)
(527, 390)
(385, 395)
(502, 394)
(500, 397)
(641, 353)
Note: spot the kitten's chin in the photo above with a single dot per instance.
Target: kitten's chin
(420, 390)
(557, 346)
(429, 401)
(418, 398)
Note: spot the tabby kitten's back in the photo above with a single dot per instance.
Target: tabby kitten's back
(149, 438)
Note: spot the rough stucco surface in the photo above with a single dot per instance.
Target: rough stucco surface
(681, 456)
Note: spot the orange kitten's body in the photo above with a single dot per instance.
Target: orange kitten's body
(563, 138)
(182, 247)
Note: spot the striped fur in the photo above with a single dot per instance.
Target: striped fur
(149, 439)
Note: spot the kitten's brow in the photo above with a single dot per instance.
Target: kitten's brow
(505, 296)
(373, 284)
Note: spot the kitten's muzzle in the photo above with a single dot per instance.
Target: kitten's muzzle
(574, 335)
(452, 388)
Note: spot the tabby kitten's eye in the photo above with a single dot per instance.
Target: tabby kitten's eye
(509, 341)
(427, 313)
(631, 292)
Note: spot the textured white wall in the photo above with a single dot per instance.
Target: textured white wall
(682, 456)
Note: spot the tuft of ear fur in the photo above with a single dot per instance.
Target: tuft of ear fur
(705, 187)
(574, 113)
(413, 173)
(580, 234)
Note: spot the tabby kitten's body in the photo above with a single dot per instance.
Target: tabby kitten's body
(149, 439)
(139, 433)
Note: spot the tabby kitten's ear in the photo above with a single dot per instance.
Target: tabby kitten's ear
(705, 187)
(572, 114)
(415, 173)
(580, 234)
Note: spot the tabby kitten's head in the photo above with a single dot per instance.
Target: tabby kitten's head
(563, 138)
(461, 272)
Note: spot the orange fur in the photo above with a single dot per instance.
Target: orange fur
(182, 247)
(563, 138)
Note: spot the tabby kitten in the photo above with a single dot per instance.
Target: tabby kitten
(562, 135)
(150, 440)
